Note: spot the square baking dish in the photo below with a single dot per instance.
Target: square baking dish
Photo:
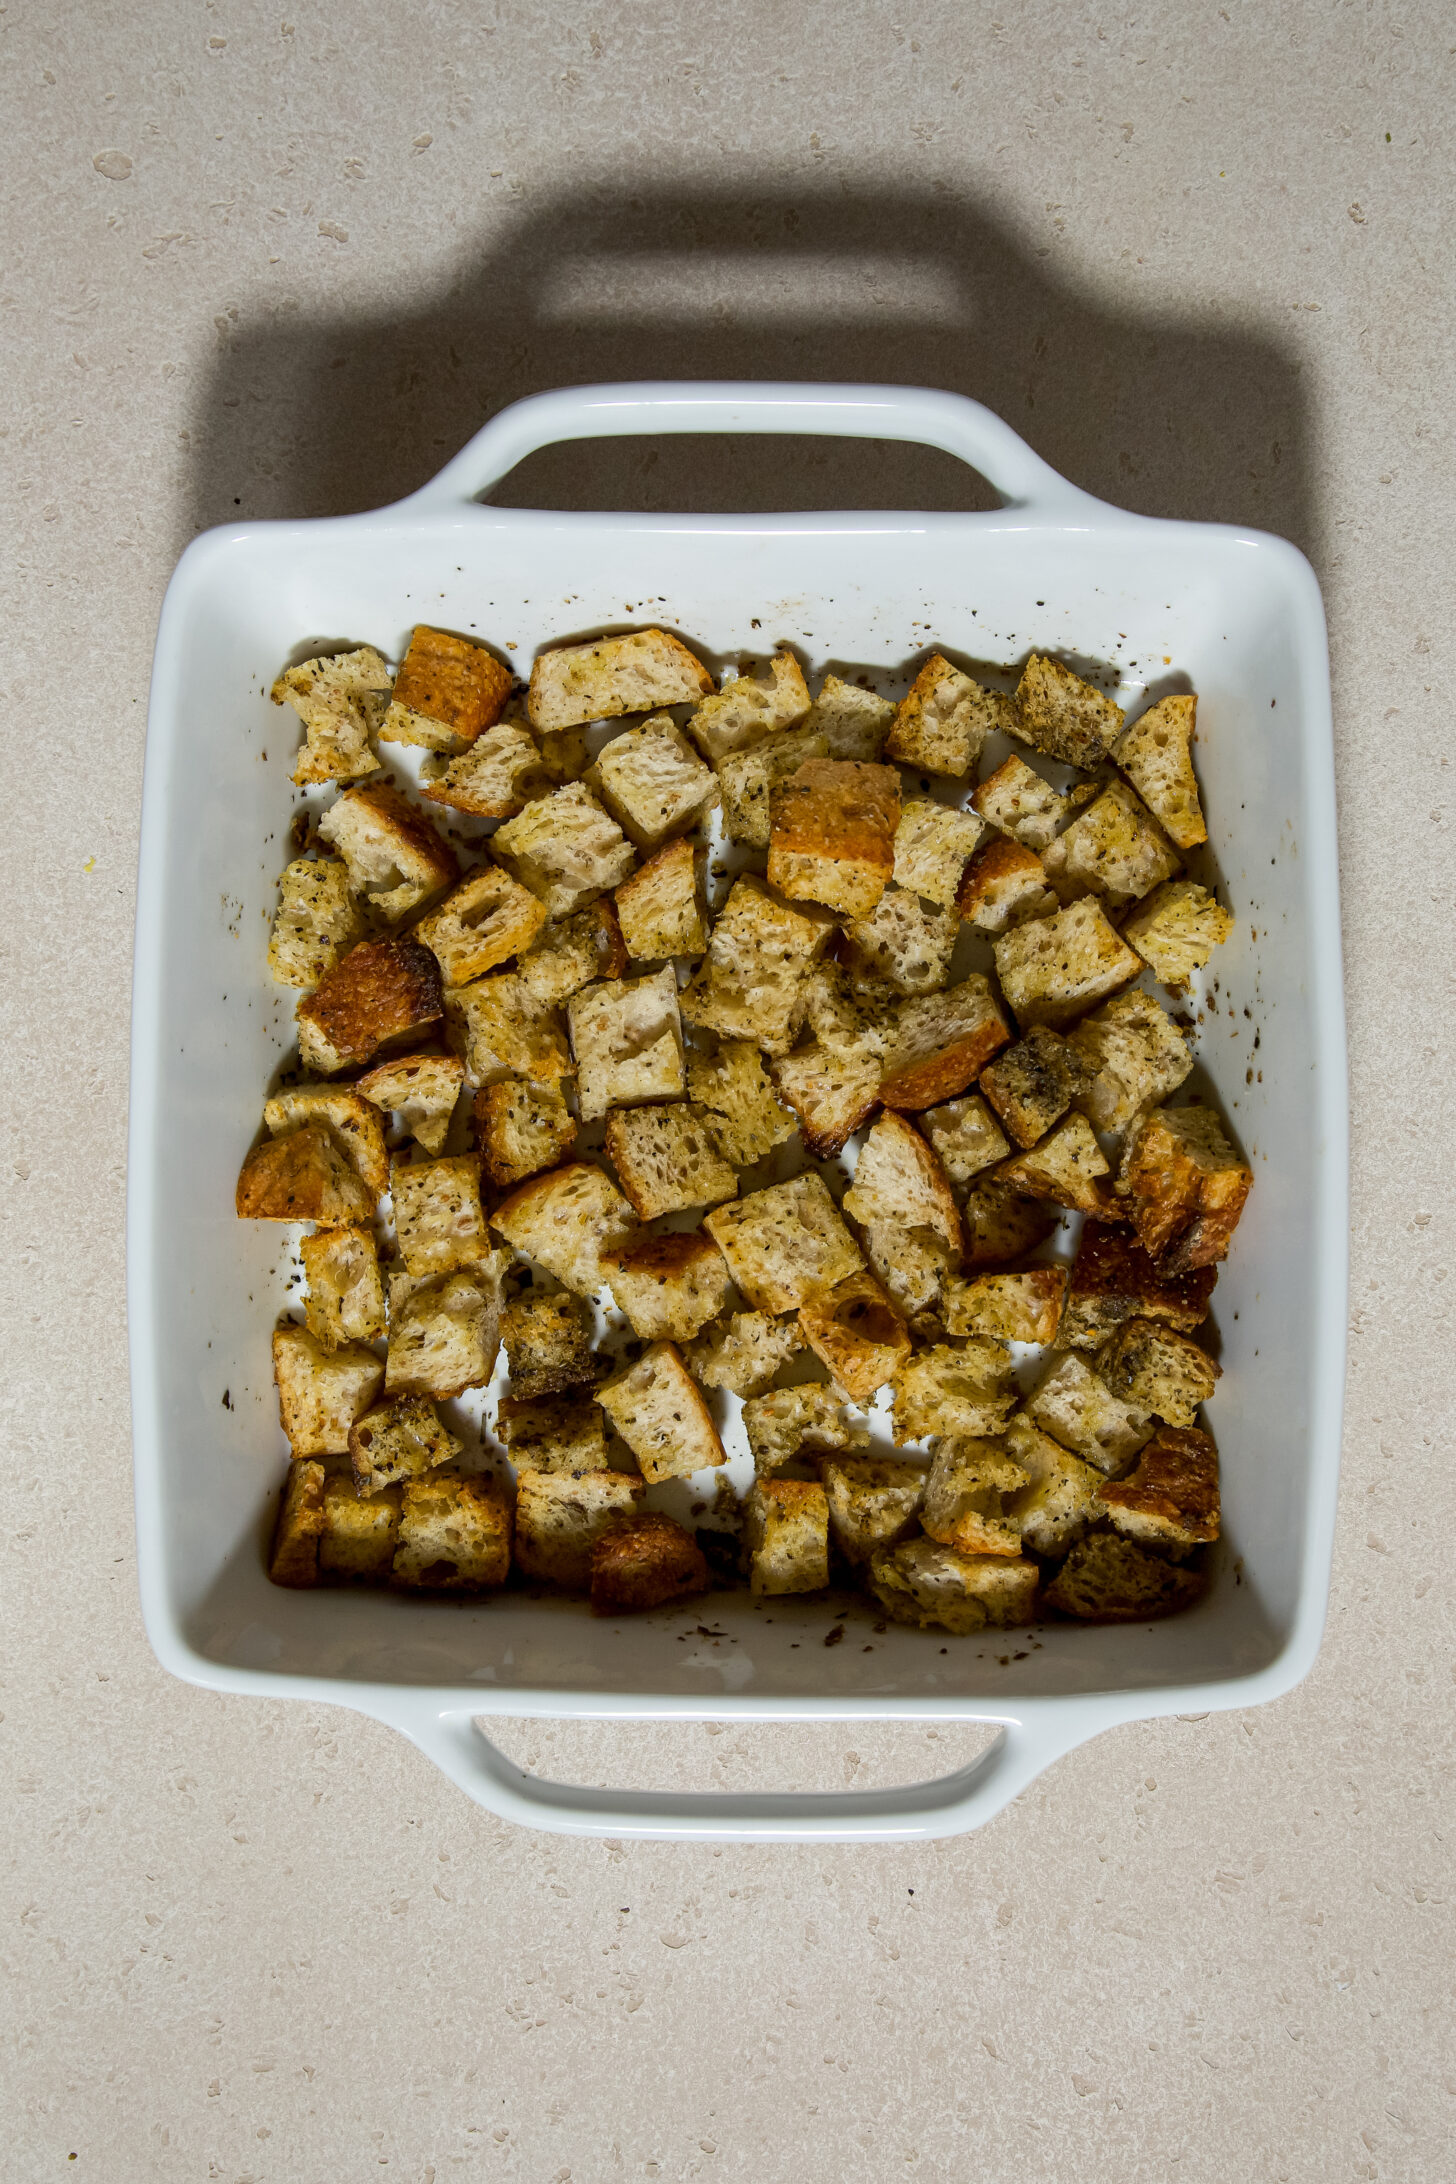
(1236, 614)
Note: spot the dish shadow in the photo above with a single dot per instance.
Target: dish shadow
(322, 414)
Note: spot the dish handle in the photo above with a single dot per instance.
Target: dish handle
(916, 1812)
(927, 415)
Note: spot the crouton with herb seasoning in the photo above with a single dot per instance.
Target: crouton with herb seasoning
(748, 709)
(1171, 1498)
(565, 848)
(786, 1526)
(930, 1586)
(1059, 1500)
(1000, 1222)
(1023, 1307)
(316, 923)
(398, 1439)
(438, 1216)
(1077, 1408)
(481, 923)
(396, 860)
(832, 834)
(1019, 802)
(964, 1136)
(1116, 849)
(1067, 1168)
(873, 1502)
(1113, 1280)
(968, 1490)
(732, 1092)
(360, 1534)
(1054, 968)
(945, 717)
(1110, 1580)
(501, 1029)
(1003, 886)
(626, 1035)
(783, 1423)
(942, 1043)
(454, 1534)
(658, 1409)
(748, 984)
(1135, 1056)
(659, 908)
(1176, 929)
(1032, 1083)
(639, 672)
(443, 1331)
(645, 1562)
(904, 944)
(744, 1351)
(666, 1159)
(321, 1391)
(831, 1092)
(933, 846)
(669, 1286)
(548, 1344)
(571, 952)
(293, 1558)
(855, 1330)
(1149, 1364)
(494, 778)
(302, 1176)
(951, 1390)
(784, 1243)
(1061, 714)
(565, 1221)
(553, 1433)
(1183, 1187)
(521, 1129)
(345, 1300)
(1155, 753)
(341, 698)
(381, 994)
(422, 1090)
(653, 783)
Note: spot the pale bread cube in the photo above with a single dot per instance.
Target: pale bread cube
(626, 1035)
(899, 1182)
(933, 846)
(1117, 849)
(1004, 885)
(784, 1243)
(1054, 968)
(1018, 802)
(637, 673)
(903, 943)
(316, 923)
(653, 783)
(1078, 1409)
(964, 1135)
(521, 1129)
(565, 848)
(438, 1217)
(481, 923)
(952, 1390)
(744, 1352)
(929, 1586)
(658, 1409)
(501, 1029)
(786, 1527)
(345, 1301)
(565, 1220)
(1059, 1501)
(341, 698)
(748, 984)
(321, 1392)
(669, 1286)
(1135, 1055)
(443, 1330)
(784, 1422)
(732, 1092)
(496, 777)
(747, 709)
(667, 1159)
(853, 721)
(1059, 713)
(1156, 755)
(571, 952)
(1066, 1167)
(1176, 929)
(941, 724)
(968, 1492)
(749, 777)
(422, 1090)
(658, 908)
(396, 859)
(873, 1502)
(832, 1094)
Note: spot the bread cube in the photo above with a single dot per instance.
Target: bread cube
(484, 921)
(855, 1330)
(1053, 968)
(964, 1136)
(422, 1090)
(1176, 929)
(1003, 886)
(784, 1243)
(658, 1409)
(645, 1562)
(1117, 849)
(398, 1439)
(345, 1301)
(732, 1092)
(571, 952)
(1012, 1307)
(1110, 1580)
(967, 1492)
(933, 1587)
(786, 1526)
(913, 1264)
(898, 1182)
(857, 1019)
(1135, 1055)
(565, 1221)
(448, 691)
(351, 1120)
(627, 1037)
(494, 778)
(565, 755)
(395, 858)
(443, 1331)
(743, 1351)
(1184, 1187)
(381, 994)
(853, 721)
(667, 1159)
(872, 1502)
(954, 1390)
(1113, 1280)
(1066, 1167)
(1076, 1407)
(746, 709)
(521, 1129)
(637, 673)
(749, 777)
(293, 1558)
(945, 717)
(1156, 755)
(1060, 714)
(1033, 1083)
(933, 846)
(548, 1342)
(999, 1222)
(1020, 803)
(501, 1028)
(553, 1433)
(943, 1042)
(784, 1422)
(748, 984)
(360, 1534)
(454, 1534)
(1059, 1500)
(1171, 1500)
(565, 848)
(316, 923)
(303, 1176)
(653, 783)
(438, 1216)
(669, 1286)
(658, 908)
(831, 1093)
(321, 1392)
(832, 834)
(1149, 1364)
(341, 698)
(903, 943)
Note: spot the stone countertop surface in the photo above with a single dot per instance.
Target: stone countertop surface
(283, 262)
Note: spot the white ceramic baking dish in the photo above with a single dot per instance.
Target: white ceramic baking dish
(1238, 615)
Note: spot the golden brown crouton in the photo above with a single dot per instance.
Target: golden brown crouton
(521, 1129)
(1059, 1500)
(1156, 756)
(438, 1216)
(360, 1534)
(748, 778)
(1184, 1187)
(951, 1390)
(341, 699)
(832, 834)
(454, 1534)
(448, 691)
(565, 1220)
(652, 782)
(748, 984)
(658, 908)
(1113, 1280)
(345, 1301)
(1020, 803)
(856, 1018)
(1013, 1307)
(321, 1392)
(497, 776)
(930, 1586)
(1057, 712)
(1001, 1222)
(294, 1557)
(571, 952)
(1171, 1499)
(1117, 849)
(967, 1492)
(548, 1341)
(565, 848)
(488, 918)
(626, 1035)
(553, 1433)
(898, 1182)
(942, 1043)
(784, 1243)
(382, 993)
(1110, 1580)
(732, 1093)
(352, 1121)
(942, 722)
(637, 673)
(1066, 1168)
(1176, 929)
(933, 846)
(903, 943)
(964, 1135)
(1077, 1408)
(396, 859)
(398, 1439)
(784, 1423)
(1136, 1057)
(856, 1331)
(1004, 885)
(1053, 968)
(786, 1526)
(669, 1286)
(743, 1352)
(422, 1089)
(443, 1331)
(872, 1501)
(501, 1028)
(667, 1159)
(645, 1562)
(659, 1411)
(1151, 1365)
(1033, 1083)
(746, 710)
(316, 923)
(304, 1176)
(832, 1094)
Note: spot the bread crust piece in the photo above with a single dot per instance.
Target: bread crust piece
(341, 698)
(658, 908)
(454, 1534)
(639, 672)
(396, 859)
(447, 692)
(1153, 1366)
(1171, 1499)
(1156, 755)
(321, 1392)
(832, 834)
(352, 1121)
(786, 1525)
(1106, 1579)
(1051, 969)
(653, 783)
(382, 993)
(481, 923)
(645, 1562)
(1057, 712)
(749, 983)
(658, 1409)
(944, 1041)
(493, 778)
(422, 1090)
(1032, 1083)
(1113, 1280)
(398, 1439)
(303, 1176)
(565, 1220)
(438, 1217)
(1184, 1188)
(747, 710)
(743, 1351)
(667, 1159)
(316, 923)
(784, 1243)
(669, 1286)
(521, 1129)
(1004, 885)
(293, 1558)
(943, 720)
(855, 1330)
(548, 1343)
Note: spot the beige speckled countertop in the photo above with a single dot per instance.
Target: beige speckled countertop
(284, 262)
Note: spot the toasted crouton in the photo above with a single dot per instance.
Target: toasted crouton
(831, 1093)
(898, 1182)
(667, 1159)
(832, 834)
(422, 1089)
(1054, 968)
(1076, 1407)
(903, 944)
(784, 1422)
(964, 1136)
(746, 710)
(521, 1129)
(1184, 1187)
(481, 923)
(565, 1220)
(341, 698)
(942, 722)
(360, 1534)
(398, 1439)
(1059, 1500)
(1113, 1280)
(321, 1392)
(872, 1501)
(943, 1041)
(1004, 885)
(443, 1331)
(627, 1037)
(930, 1586)
(548, 1342)
(502, 1029)
(565, 848)
(645, 1562)
(669, 1286)
(1110, 1580)
(571, 952)
(856, 1331)
(1066, 1167)
(317, 920)
(557, 1433)
(652, 782)
(497, 776)
(1001, 1222)
(454, 1534)
(1155, 753)
(448, 691)
(951, 1390)
(1136, 1057)
(784, 1243)
(1148, 1363)
(748, 984)
(1171, 1499)
(1033, 1083)
(382, 993)
(1060, 714)
(345, 1301)
(1117, 849)
(969, 1486)
(1176, 929)
(639, 672)
(744, 1352)
(853, 721)
(658, 908)
(1012, 1307)
(732, 1092)
(438, 1216)
(912, 1263)
(396, 859)
(565, 754)
(933, 846)
(856, 1018)
(352, 1121)
(1020, 803)
(658, 1408)
(294, 1556)
(786, 1525)
(749, 777)
(304, 1176)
